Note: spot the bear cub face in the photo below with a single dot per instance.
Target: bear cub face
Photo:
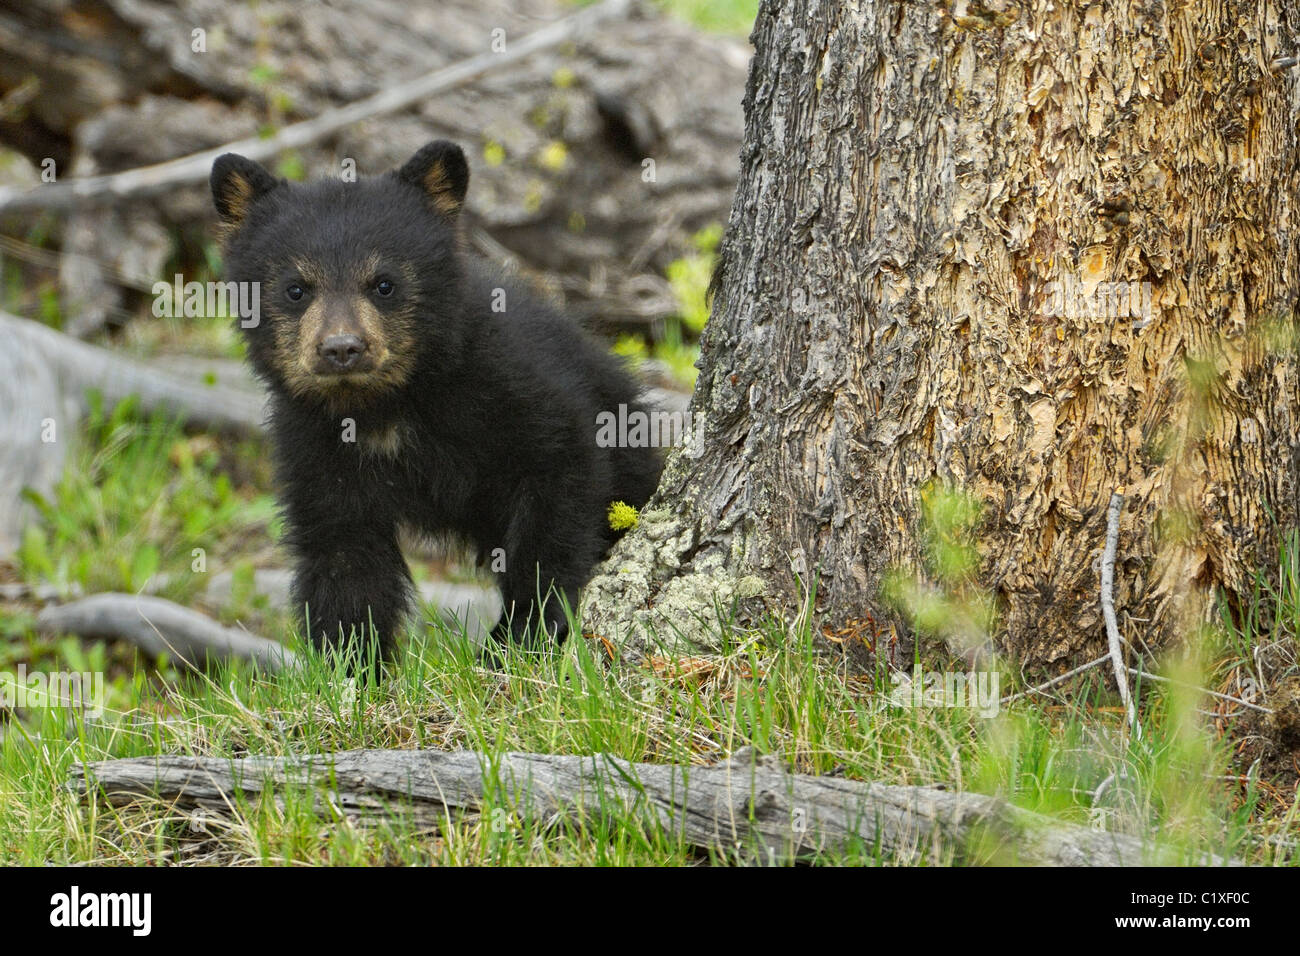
(356, 279)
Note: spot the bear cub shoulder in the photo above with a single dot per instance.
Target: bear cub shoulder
(414, 386)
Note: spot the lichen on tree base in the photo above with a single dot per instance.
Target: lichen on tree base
(658, 593)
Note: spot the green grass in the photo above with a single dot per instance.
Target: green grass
(141, 499)
(783, 698)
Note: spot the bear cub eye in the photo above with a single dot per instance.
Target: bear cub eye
(384, 287)
(295, 292)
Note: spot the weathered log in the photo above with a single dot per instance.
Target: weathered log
(158, 626)
(743, 804)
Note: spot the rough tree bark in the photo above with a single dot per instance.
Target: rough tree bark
(915, 179)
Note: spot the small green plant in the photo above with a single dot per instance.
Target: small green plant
(690, 276)
(622, 516)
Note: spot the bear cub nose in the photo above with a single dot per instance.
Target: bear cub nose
(342, 351)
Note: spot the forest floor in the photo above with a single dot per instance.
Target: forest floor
(1207, 774)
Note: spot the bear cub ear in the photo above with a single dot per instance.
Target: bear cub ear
(440, 171)
(236, 184)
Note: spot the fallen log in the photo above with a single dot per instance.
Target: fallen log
(158, 626)
(743, 804)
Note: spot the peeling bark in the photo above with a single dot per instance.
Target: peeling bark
(915, 177)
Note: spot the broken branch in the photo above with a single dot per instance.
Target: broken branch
(158, 627)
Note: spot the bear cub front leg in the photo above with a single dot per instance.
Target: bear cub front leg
(352, 587)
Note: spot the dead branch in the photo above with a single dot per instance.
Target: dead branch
(1108, 607)
(741, 804)
(158, 627)
(1147, 675)
(1055, 680)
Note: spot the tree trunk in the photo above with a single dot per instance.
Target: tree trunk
(916, 287)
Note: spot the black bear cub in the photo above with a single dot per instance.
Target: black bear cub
(413, 386)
